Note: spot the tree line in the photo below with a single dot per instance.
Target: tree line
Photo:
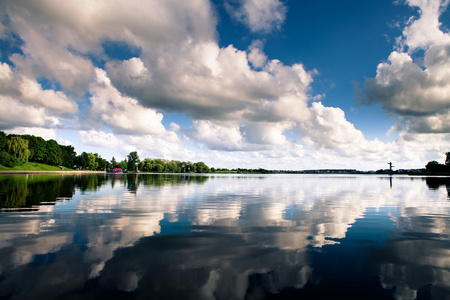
(16, 150)
(172, 166)
(435, 167)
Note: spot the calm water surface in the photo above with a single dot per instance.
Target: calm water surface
(224, 237)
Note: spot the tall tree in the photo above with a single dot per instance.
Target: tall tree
(102, 164)
(133, 161)
(113, 162)
(3, 141)
(82, 160)
(4, 156)
(92, 162)
(68, 156)
(447, 159)
(37, 147)
(53, 153)
(17, 148)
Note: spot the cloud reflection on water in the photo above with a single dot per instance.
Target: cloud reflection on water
(223, 237)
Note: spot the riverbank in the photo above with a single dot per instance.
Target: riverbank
(71, 172)
(37, 168)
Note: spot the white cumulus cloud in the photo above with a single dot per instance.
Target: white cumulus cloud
(208, 82)
(123, 115)
(416, 89)
(29, 105)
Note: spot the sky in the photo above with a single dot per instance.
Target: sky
(281, 85)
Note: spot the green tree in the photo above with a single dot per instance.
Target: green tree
(37, 147)
(447, 159)
(133, 161)
(114, 162)
(82, 161)
(158, 168)
(172, 167)
(92, 162)
(158, 165)
(17, 152)
(201, 167)
(188, 167)
(123, 164)
(102, 164)
(178, 165)
(146, 165)
(4, 156)
(68, 156)
(3, 141)
(53, 153)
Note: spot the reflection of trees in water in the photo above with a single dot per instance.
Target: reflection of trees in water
(90, 182)
(249, 241)
(435, 183)
(20, 191)
(24, 191)
(173, 180)
(13, 193)
(133, 181)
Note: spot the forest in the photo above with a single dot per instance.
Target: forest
(16, 150)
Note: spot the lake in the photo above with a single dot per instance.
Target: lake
(157, 236)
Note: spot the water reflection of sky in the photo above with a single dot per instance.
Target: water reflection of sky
(229, 237)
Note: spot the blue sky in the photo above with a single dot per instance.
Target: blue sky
(234, 83)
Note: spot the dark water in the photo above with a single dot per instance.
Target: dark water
(224, 237)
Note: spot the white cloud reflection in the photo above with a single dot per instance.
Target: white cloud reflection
(286, 215)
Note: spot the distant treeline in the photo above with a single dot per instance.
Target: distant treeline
(172, 166)
(16, 150)
(242, 171)
(435, 167)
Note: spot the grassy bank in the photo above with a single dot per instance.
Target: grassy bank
(31, 166)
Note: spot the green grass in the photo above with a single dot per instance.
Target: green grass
(31, 166)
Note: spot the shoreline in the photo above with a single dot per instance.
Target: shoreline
(75, 172)
(49, 172)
